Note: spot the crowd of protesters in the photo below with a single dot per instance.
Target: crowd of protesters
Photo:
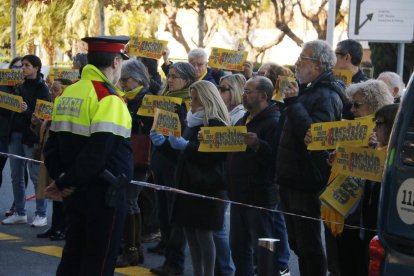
(276, 172)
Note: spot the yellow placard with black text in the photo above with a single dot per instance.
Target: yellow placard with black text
(63, 73)
(223, 139)
(150, 102)
(361, 162)
(146, 47)
(227, 59)
(166, 122)
(347, 132)
(11, 102)
(43, 110)
(11, 77)
(343, 75)
(343, 193)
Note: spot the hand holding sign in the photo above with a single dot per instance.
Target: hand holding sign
(23, 106)
(251, 140)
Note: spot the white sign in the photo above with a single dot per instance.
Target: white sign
(405, 201)
(381, 20)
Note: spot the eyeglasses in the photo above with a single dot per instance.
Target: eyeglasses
(357, 105)
(173, 77)
(340, 54)
(224, 89)
(302, 57)
(248, 92)
(378, 122)
(124, 79)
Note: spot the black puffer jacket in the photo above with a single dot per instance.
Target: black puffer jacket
(30, 90)
(250, 174)
(296, 167)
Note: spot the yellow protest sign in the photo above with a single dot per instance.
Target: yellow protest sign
(362, 162)
(223, 139)
(343, 75)
(11, 77)
(227, 59)
(343, 193)
(11, 102)
(43, 109)
(63, 73)
(146, 47)
(150, 102)
(166, 122)
(348, 132)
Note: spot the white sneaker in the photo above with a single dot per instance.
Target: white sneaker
(15, 219)
(285, 272)
(39, 221)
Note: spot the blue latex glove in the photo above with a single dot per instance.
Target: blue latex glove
(156, 138)
(178, 143)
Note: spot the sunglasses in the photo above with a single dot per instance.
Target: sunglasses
(124, 79)
(378, 122)
(357, 105)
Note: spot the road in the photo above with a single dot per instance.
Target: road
(22, 254)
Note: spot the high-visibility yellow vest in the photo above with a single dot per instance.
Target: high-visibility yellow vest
(91, 105)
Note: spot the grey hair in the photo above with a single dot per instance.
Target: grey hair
(197, 53)
(375, 93)
(236, 83)
(81, 59)
(322, 52)
(186, 71)
(135, 69)
(394, 80)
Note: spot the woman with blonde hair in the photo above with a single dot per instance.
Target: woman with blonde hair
(231, 89)
(201, 173)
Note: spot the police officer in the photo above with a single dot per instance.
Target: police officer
(87, 154)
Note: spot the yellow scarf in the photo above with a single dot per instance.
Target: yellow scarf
(130, 95)
(203, 75)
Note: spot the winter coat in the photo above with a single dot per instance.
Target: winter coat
(296, 167)
(250, 174)
(201, 173)
(30, 90)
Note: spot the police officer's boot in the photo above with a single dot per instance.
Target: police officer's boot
(129, 255)
(138, 241)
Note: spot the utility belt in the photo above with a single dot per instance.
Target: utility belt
(115, 188)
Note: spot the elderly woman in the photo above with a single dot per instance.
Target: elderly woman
(179, 78)
(366, 98)
(231, 90)
(135, 82)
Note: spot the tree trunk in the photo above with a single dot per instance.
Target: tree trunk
(102, 17)
(201, 19)
(13, 29)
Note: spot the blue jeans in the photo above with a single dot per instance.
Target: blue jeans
(247, 225)
(17, 167)
(224, 263)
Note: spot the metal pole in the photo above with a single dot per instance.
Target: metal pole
(267, 258)
(331, 22)
(13, 29)
(400, 59)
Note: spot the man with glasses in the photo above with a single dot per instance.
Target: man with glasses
(250, 176)
(348, 57)
(303, 174)
(199, 59)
